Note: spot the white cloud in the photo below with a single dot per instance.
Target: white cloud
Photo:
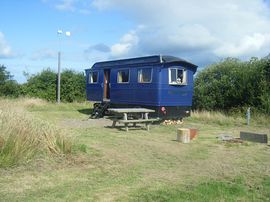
(5, 49)
(248, 45)
(76, 6)
(66, 5)
(127, 42)
(218, 28)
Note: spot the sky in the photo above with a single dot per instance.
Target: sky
(202, 32)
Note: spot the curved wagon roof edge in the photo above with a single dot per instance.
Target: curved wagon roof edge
(155, 59)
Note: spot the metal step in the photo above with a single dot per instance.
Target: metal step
(99, 110)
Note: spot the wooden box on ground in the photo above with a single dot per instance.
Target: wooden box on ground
(254, 137)
(183, 135)
(193, 133)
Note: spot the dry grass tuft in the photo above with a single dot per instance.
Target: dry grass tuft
(215, 117)
(32, 102)
(22, 137)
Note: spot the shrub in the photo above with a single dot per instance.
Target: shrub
(44, 85)
(232, 84)
(8, 87)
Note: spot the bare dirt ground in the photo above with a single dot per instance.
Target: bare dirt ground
(86, 123)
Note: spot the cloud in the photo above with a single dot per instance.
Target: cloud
(44, 54)
(248, 45)
(128, 42)
(66, 5)
(5, 49)
(76, 6)
(210, 28)
(98, 47)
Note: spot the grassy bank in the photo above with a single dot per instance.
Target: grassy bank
(142, 165)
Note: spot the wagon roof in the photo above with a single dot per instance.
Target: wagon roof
(144, 60)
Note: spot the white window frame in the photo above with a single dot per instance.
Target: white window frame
(90, 79)
(118, 71)
(184, 82)
(140, 70)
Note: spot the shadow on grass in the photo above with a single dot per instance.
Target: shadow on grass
(130, 128)
(87, 111)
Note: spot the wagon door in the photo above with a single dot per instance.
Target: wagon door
(107, 85)
(94, 90)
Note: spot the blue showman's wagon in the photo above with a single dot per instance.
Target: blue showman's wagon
(161, 83)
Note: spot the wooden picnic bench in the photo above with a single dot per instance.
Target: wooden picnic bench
(127, 116)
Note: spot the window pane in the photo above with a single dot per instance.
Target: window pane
(177, 76)
(93, 77)
(173, 75)
(145, 75)
(123, 76)
(180, 76)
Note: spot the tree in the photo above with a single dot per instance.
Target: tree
(43, 85)
(233, 84)
(72, 86)
(8, 87)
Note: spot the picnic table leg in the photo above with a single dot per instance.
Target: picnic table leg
(114, 123)
(147, 126)
(146, 115)
(126, 125)
(134, 124)
(125, 116)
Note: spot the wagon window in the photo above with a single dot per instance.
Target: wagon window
(177, 76)
(93, 77)
(145, 75)
(123, 76)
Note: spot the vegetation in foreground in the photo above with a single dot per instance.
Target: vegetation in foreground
(23, 137)
(141, 165)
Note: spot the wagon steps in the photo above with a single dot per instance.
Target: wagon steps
(99, 110)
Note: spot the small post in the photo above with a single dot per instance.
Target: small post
(248, 116)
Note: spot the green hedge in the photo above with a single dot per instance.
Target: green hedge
(232, 84)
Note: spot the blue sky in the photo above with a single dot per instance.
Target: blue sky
(199, 31)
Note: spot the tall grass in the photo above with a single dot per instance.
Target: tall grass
(216, 117)
(222, 119)
(22, 137)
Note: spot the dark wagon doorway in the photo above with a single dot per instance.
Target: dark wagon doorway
(107, 84)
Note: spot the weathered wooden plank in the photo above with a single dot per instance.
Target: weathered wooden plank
(130, 110)
(254, 137)
(137, 120)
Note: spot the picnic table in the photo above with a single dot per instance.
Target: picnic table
(129, 115)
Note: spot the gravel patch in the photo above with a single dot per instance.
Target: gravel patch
(86, 123)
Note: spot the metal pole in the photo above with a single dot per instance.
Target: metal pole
(59, 78)
(248, 116)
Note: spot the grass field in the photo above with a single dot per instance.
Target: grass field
(109, 164)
